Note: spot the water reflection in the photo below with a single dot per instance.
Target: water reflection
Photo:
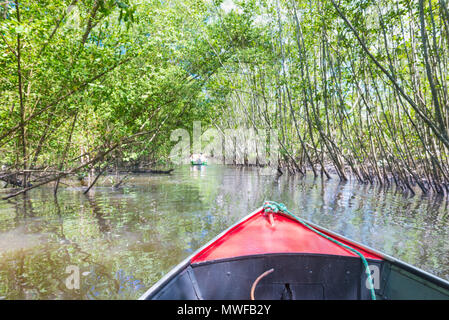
(123, 240)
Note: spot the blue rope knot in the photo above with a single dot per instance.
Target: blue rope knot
(274, 207)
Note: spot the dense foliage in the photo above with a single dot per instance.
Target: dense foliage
(90, 82)
(357, 87)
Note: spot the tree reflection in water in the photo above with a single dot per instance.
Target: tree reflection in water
(124, 240)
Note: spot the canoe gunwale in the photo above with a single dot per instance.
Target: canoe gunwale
(408, 267)
(262, 255)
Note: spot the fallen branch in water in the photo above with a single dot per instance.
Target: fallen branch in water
(64, 174)
(101, 155)
(96, 178)
(161, 171)
(117, 185)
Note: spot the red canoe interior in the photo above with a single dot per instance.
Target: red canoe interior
(256, 235)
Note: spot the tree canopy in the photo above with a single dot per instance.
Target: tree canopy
(356, 87)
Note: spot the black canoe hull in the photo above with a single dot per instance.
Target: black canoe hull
(296, 277)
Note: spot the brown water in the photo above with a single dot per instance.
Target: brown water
(122, 241)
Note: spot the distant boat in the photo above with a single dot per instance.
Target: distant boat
(198, 160)
(198, 163)
(272, 254)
